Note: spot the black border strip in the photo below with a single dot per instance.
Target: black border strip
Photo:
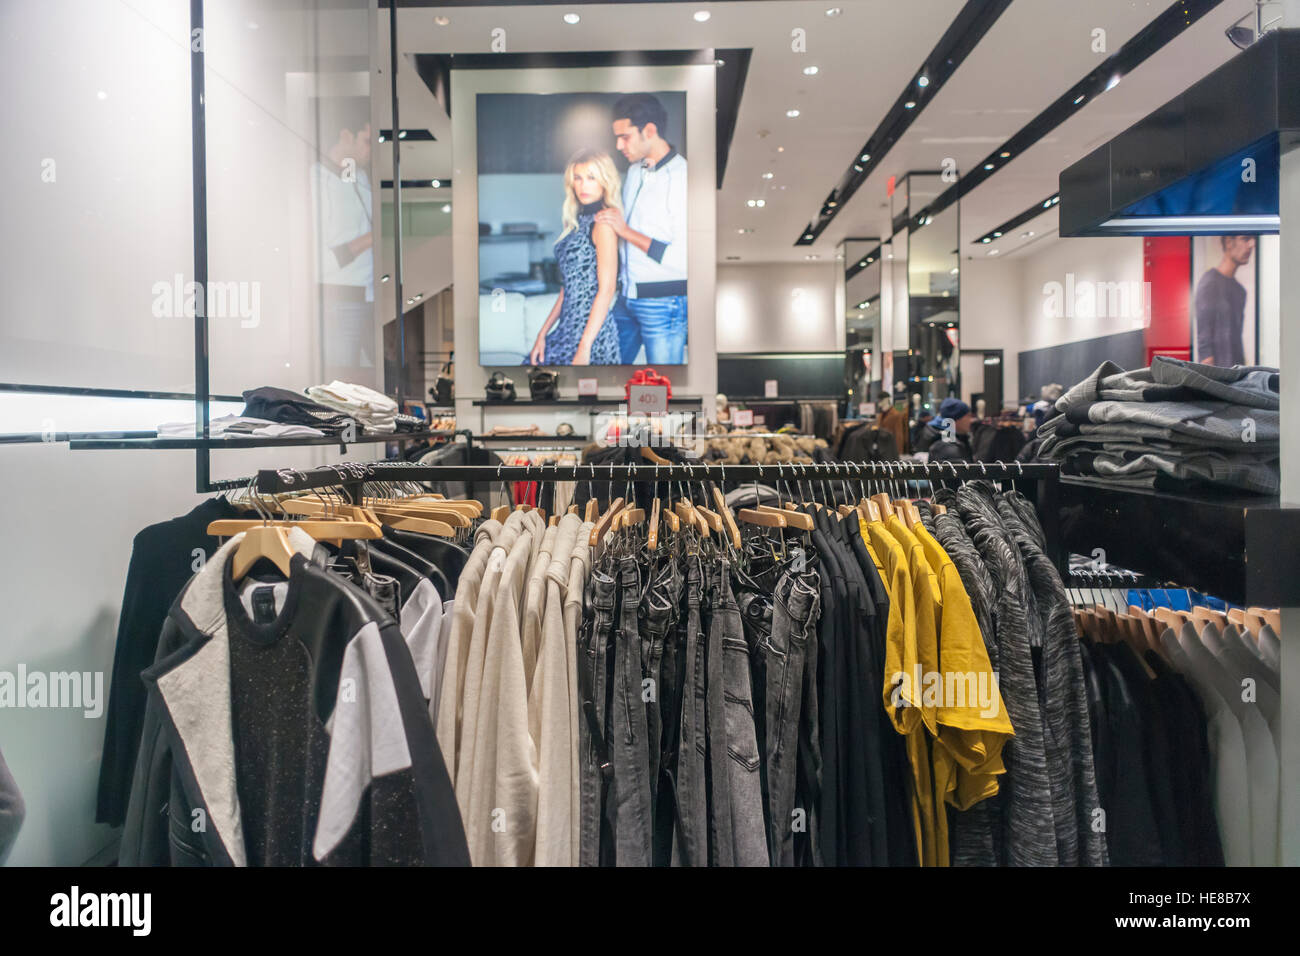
(962, 36)
(1147, 42)
(1033, 212)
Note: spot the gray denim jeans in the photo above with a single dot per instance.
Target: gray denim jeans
(737, 827)
(794, 613)
(595, 766)
(691, 838)
(629, 735)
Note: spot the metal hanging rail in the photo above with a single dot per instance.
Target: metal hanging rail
(287, 479)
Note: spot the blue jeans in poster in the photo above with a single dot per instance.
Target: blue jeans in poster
(658, 323)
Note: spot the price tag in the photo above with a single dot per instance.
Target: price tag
(648, 399)
(586, 386)
(742, 418)
(769, 388)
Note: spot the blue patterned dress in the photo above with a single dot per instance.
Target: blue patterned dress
(575, 254)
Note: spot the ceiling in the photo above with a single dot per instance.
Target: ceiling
(865, 56)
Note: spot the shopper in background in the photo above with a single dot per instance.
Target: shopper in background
(892, 420)
(914, 433)
(1221, 306)
(947, 438)
(651, 309)
(1046, 402)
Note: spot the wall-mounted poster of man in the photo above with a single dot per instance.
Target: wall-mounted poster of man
(1224, 304)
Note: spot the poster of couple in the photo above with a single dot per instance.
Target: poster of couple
(582, 212)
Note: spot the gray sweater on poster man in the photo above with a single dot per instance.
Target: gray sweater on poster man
(12, 810)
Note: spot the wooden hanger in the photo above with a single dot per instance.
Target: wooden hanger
(602, 525)
(630, 516)
(418, 509)
(403, 521)
(1205, 615)
(593, 510)
(793, 519)
(501, 513)
(884, 504)
(766, 519)
(870, 509)
(729, 521)
(1168, 617)
(939, 509)
(711, 518)
(687, 511)
(573, 509)
(652, 537)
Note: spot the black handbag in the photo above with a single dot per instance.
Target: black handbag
(444, 386)
(500, 388)
(543, 386)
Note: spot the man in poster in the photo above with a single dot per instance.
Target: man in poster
(1221, 306)
(651, 307)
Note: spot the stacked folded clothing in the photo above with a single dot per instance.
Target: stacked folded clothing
(374, 410)
(238, 426)
(1175, 426)
(292, 408)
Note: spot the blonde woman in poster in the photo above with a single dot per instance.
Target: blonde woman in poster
(580, 329)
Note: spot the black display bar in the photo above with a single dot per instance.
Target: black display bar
(289, 479)
(110, 392)
(576, 402)
(24, 438)
(252, 441)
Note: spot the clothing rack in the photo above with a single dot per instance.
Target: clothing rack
(350, 476)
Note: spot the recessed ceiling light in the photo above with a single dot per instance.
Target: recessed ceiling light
(891, 255)
(383, 278)
(1114, 82)
(812, 257)
(810, 71)
(832, 204)
(435, 183)
(761, 203)
(834, 12)
(719, 62)
(446, 207)
(993, 252)
(986, 240)
(401, 134)
(1004, 154)
(702, 15)
(807, 235)
(780, 149)
(381, 137)
(953, 272)
(744, 232)
(768, 175)
(751, 203)
(792, 113)
(866, 157)
(988, 165)
(870, 259)
(441, 21)
(910, 104)
(997, 235)
(571, 18)
(923, 81)
(1080, 99)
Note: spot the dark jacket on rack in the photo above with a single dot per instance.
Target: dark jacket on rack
(297, 737)
(867, 443)
(163, 556)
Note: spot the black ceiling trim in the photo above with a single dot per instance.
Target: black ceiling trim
(863, 262)
(435, 70)
(412, 136)
(416, 184)
(729, 88)
(1147, 42)
(1033, 212)
(961, 37)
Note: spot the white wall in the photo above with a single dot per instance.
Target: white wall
(80, 255)
(991, 316)
(778, 307)
(1095, 260)
(700, 375)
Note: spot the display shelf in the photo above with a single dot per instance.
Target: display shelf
(22, 438)
(599, 401)
(1243, 548)
(532, 438)
(210, 444)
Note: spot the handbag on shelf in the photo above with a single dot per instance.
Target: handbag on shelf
(444, 386)
(648, 376)
(543, 386)
(500, 388)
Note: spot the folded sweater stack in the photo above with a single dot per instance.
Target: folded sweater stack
(1175, 426)
(373, 410)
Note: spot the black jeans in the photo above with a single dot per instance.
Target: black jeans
(628, 731)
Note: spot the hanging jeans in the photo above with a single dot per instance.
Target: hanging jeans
(691, 836)
(661, 642)
(629, 735)
(736, 824)
(596, 769)
(794, 615)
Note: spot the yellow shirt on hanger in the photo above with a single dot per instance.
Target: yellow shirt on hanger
(973, 721)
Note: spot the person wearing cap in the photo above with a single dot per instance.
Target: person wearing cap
(947, 437)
